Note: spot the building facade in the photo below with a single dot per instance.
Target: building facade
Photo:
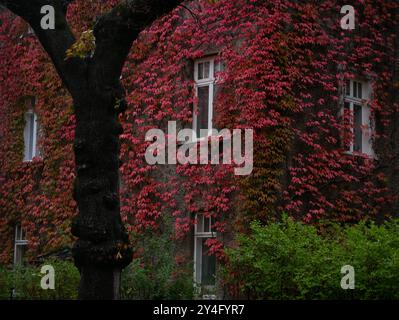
(322, 101)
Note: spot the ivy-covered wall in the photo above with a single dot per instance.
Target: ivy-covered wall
(285, 64)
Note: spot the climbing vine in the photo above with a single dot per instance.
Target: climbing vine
(285, 62)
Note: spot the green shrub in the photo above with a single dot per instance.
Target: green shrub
(24, 282)
(155, 275)
(6, 281)
(374, 253)
(290, 260)
(152, 283)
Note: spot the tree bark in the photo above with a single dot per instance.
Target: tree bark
(102, 249)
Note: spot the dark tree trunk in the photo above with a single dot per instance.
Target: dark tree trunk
(102, 248)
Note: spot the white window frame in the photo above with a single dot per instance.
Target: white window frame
(19, 241)
(198, 236)
(28, 157)
(207, 82)
(367, 123)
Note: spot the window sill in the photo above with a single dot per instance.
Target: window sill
(208, 138)
(205, 292)
(210, 288)
(359, 154)
(209, 296)
(193, 141)
(205, 235)
(21, 242)
(35, 159)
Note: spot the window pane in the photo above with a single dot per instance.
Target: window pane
(216, 67)
(18, 235)
(355, 89)
(204, 70)
(359, 91)
(219, 66)
(357, 130)
(37, 133)
(203, 109)
(19, 254)
(200, 71)
(27, 136)
(348, 88)
(31, 134)
(207, 67)
(207, 225)
(208, 268)
(198, 259)
(200, 223)
(216, 90)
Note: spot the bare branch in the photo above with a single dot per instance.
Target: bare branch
(116, 31)
(55, 42)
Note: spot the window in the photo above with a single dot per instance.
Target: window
(357, 94)
(204, 264)
(30, 133)
(20, 245)
(205, 87)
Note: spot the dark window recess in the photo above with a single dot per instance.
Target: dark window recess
(208, 268)
(30, 122)
(203, 70)
(348, 88)
(203, 109)
(360, 91)
(20, 254)
(357, 130)
(355, 89)
(216, 90)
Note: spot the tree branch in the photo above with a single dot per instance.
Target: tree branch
(55, 42)
(116, 31)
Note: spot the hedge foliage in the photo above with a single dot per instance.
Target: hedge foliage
(290, 260)
(138, 282)
(285, 260)
(156, 275)
(23, 283)
(155, 283)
